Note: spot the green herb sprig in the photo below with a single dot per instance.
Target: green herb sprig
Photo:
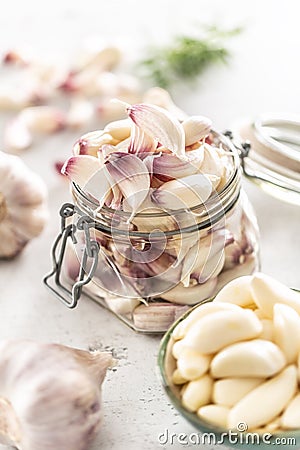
(187, 57)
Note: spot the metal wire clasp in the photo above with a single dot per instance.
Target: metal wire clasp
(64, 294)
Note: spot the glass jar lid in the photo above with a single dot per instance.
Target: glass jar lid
(272, 157)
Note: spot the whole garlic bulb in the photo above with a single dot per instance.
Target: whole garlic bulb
(23, 211)
(49, 395)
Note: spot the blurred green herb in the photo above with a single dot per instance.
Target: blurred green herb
(187, 57)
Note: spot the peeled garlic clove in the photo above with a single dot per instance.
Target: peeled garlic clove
(229, 391)
(17, 136)
(191, 295)
(178, 348)
(192, 364)
(132, 177)
(287, 331)
(52, 395)
(203, 310)
(271, 396)
(290, 418)
(268, 330)
(196, 128)
(122, 305)
(177, 378)
(23, 211)
(156, 316)
(197, 393)
(237, 291)
(43, 119)
(160, 97)
(159, 124)
(267, 291)
(255, 358)
(214, 414)
(215, 331)
(80, 113)
(184, 193)
(119, 129)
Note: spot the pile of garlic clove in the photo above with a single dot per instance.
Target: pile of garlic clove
(240, 351)
(50, 395)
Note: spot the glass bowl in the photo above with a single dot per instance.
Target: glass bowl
(212, 434)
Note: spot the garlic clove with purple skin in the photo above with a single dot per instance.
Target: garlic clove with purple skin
(50, 395)
(160, 97)
(91, 175)
(196, 128)
(141, 142)
(159, 124)
(183, 193)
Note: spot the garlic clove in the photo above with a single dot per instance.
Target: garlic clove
(156, 316)
(101, 57)
(196, 128)
(141, 142)
(192, 295)
(80, 113)
(237, 291)
(214, 414)
(267, 291)
(109, 110)
(23, 211)
(212, 164)
(160, 125)
(119, 129)
(53, 395)
(286, 331)
(160, 97)
(197, 393)
(177, 378)
(80, 169)
(168, 166)
(229, 391)
(192, 364)
(17, 136)
(256, 358)
(215, 331)
(290, 418)
(272, 397)
(43, 119)
(132, 177)
(208, 308)
(183, 193)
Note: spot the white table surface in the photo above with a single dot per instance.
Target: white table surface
(263, 76)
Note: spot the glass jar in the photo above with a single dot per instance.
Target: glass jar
(150, 269)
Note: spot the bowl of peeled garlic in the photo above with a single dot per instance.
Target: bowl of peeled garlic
(231, 365)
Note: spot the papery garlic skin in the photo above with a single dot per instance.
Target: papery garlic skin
(23, 209)
(53, 393)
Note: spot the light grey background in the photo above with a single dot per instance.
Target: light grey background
(262, 76)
